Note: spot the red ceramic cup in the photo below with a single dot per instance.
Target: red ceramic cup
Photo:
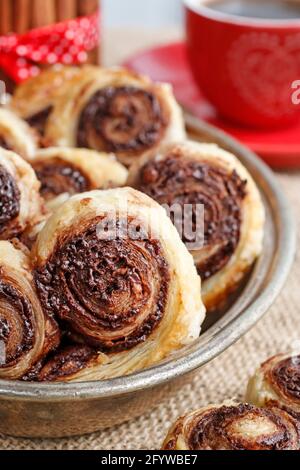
(245, 66)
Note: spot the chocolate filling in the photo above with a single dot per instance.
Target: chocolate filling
(218, 429)
(113, 292)
(39, 120)
(172, 442)
(286, 377)
(16, 342)
(66, 363)
(9, 199)
(178, 180)
(122, 120)
(58, 176)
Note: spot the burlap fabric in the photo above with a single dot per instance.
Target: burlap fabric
(223, 378)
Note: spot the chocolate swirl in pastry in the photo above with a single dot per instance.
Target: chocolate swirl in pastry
(34, 99)
(64, 172)
(67, 363)
(111, 265)
(20, 202)
(277, 383)
(202, 175)
(234, 427)
(115, 111)
(26, 333)
(16, 135)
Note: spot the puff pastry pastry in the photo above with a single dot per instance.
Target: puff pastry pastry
(234, 427)
(191, 174)
(67, 364)
(34, 99)
(26, 333)
(112, 267)
(20, 201)
(64, 172)
(277, 383)
(16, 134)
(114, 110)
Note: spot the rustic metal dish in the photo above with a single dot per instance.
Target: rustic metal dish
(55, 410)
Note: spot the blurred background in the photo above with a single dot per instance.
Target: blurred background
(148, 13)
(140, 24)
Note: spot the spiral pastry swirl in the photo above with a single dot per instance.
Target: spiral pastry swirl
(234, 427)
(277, 383)
(26, 333)
(115, 111)
(16, 135)
(200, 175)
(20, 202)
(106, 297)
(132, 294)
(64, 172)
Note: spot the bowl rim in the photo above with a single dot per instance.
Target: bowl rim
(265, 23)
(162, 373)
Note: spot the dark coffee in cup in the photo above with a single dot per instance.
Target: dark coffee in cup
(263, 9)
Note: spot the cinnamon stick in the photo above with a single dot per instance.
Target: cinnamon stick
(87, 7)
(6, 25)
(66, 9)
(44, 12)
(21, 17)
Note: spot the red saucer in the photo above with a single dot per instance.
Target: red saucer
(280, 148)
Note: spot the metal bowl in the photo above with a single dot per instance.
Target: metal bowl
(54, 410)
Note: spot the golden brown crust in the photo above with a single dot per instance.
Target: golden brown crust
(234, 427)
(192, 174)
(277, 383)
(26, 333)
(66, 362)
(34, 99)
(134, 299)
(16, 135)
(64, 172)
(21, 203)
(117, 111)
